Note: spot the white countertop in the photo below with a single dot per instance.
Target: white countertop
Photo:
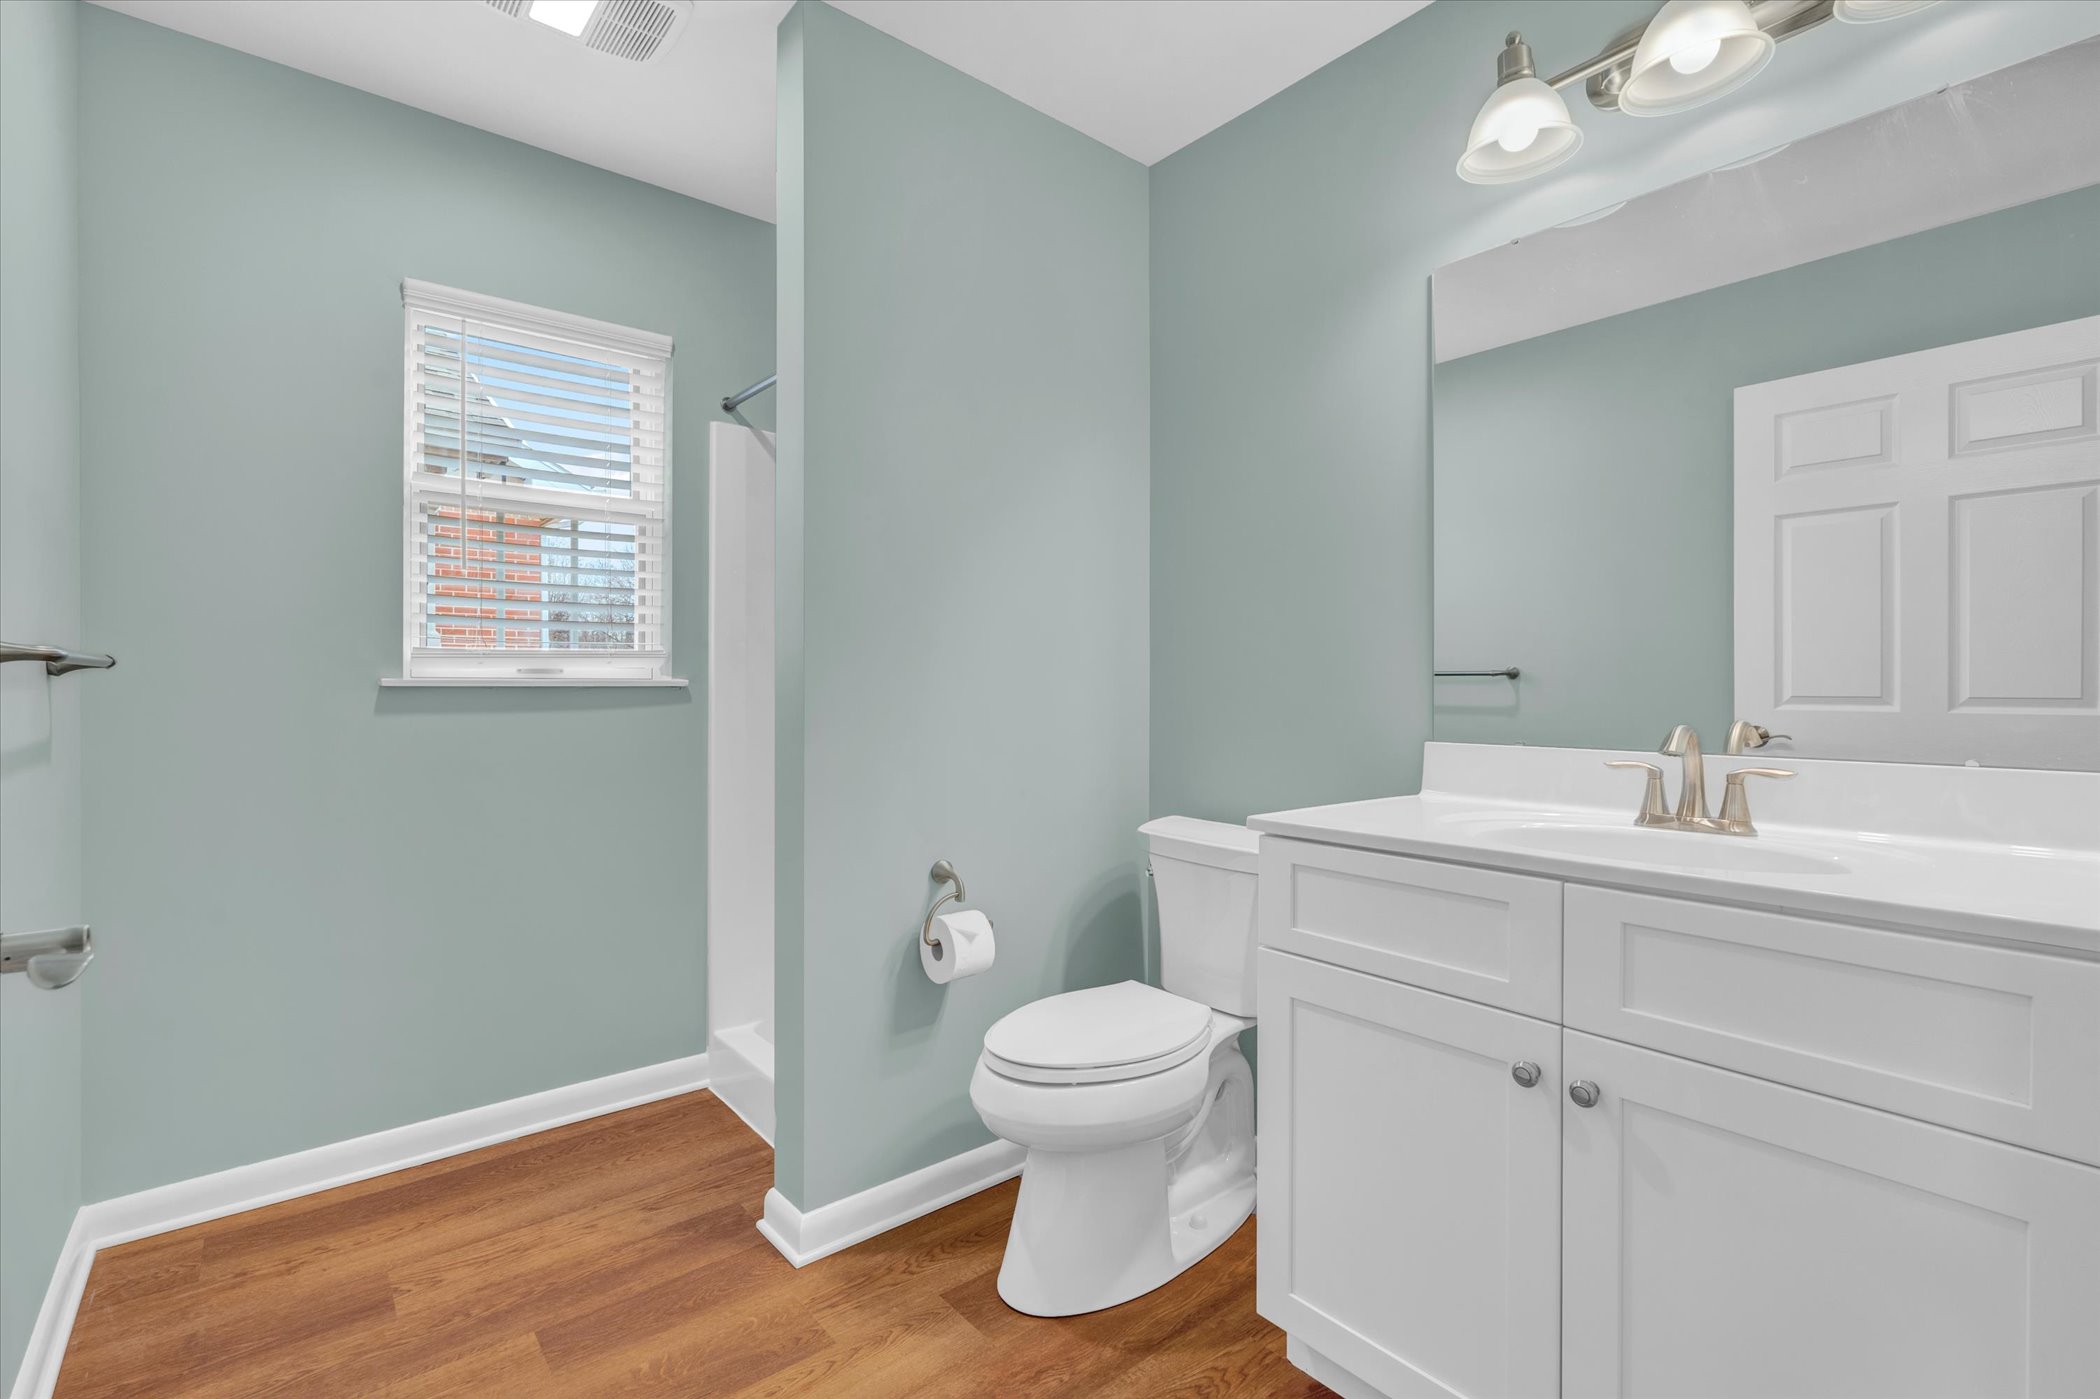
(1957, 880)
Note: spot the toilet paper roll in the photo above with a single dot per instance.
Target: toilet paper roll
(965, 938)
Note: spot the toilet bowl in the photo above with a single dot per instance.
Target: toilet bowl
(1135, 1103)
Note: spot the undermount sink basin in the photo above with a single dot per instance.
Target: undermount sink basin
(1689, 850)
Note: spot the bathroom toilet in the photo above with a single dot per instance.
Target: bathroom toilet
(1135, 1103)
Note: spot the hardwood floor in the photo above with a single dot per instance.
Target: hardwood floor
(619, 1256)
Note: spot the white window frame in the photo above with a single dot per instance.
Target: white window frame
(526, 668)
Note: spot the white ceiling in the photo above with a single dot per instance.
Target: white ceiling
(1145, 77)
(698, 118)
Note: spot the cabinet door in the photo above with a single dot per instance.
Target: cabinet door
(1409, 1186)
(1728, 1236)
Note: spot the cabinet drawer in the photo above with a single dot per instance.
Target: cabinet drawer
(1990, 1040)
(1481, 934)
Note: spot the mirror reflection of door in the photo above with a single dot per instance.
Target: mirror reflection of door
(1915, 551)
(1809, 441)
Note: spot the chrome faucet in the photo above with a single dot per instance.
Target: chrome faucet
(1691, 815)
(1683, 742)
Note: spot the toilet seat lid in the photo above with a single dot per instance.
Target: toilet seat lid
(1114, 1031)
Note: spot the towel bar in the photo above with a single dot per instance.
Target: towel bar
(53, 958)
(57, 659)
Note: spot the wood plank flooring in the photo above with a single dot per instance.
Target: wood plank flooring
(619, 1256)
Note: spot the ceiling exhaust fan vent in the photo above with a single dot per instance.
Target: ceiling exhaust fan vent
(637, 30)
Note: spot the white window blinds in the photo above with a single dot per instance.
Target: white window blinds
(538, 533)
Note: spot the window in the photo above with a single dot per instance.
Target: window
(537, 496)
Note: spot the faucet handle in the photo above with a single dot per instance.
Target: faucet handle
(1655, 811)
(1735, 803)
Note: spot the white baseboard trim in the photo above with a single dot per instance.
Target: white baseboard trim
(156, 1211)
(194, 1201)
(804, 1236)
(54, 1318)
(740, 1072)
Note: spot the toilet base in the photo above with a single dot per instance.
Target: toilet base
(1128, 1245)
(1199, 1232)
(1057, 1266)
(1093, 1229)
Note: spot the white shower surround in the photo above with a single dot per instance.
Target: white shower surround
(740, 655)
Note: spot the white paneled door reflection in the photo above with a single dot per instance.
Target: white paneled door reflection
(1917, 553)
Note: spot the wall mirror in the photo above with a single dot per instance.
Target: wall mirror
(1809, 440)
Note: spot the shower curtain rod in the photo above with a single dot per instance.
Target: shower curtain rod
(738, 400)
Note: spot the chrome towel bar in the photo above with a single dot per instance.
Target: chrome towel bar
(53, 958)
(57, 659)
(734, 401)
(1506, 673)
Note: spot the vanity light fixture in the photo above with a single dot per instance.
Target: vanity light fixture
(1690, 53)
(1523, 128)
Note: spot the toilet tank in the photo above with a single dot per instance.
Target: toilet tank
(1204, 875)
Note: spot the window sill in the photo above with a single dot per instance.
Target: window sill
(527, 682)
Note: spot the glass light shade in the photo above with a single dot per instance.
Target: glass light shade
(1523, 130)
(1873, 11)
(1692, 52)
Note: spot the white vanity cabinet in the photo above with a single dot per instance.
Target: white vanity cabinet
(1409, 1185)
(1816, 1158)
(1727, 1235)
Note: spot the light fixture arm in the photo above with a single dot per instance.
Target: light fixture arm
(1606, 71)
(1514, 61)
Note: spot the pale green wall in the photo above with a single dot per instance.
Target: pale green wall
(790, 1031)
(325, 908)
(39, 601)
(1291, 254)
(964, 462)
(1584, 479)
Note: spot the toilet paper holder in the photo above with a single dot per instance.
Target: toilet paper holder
(942, 873)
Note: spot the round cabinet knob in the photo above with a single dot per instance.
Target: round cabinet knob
(1525, 1073)
(1584, 1093)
